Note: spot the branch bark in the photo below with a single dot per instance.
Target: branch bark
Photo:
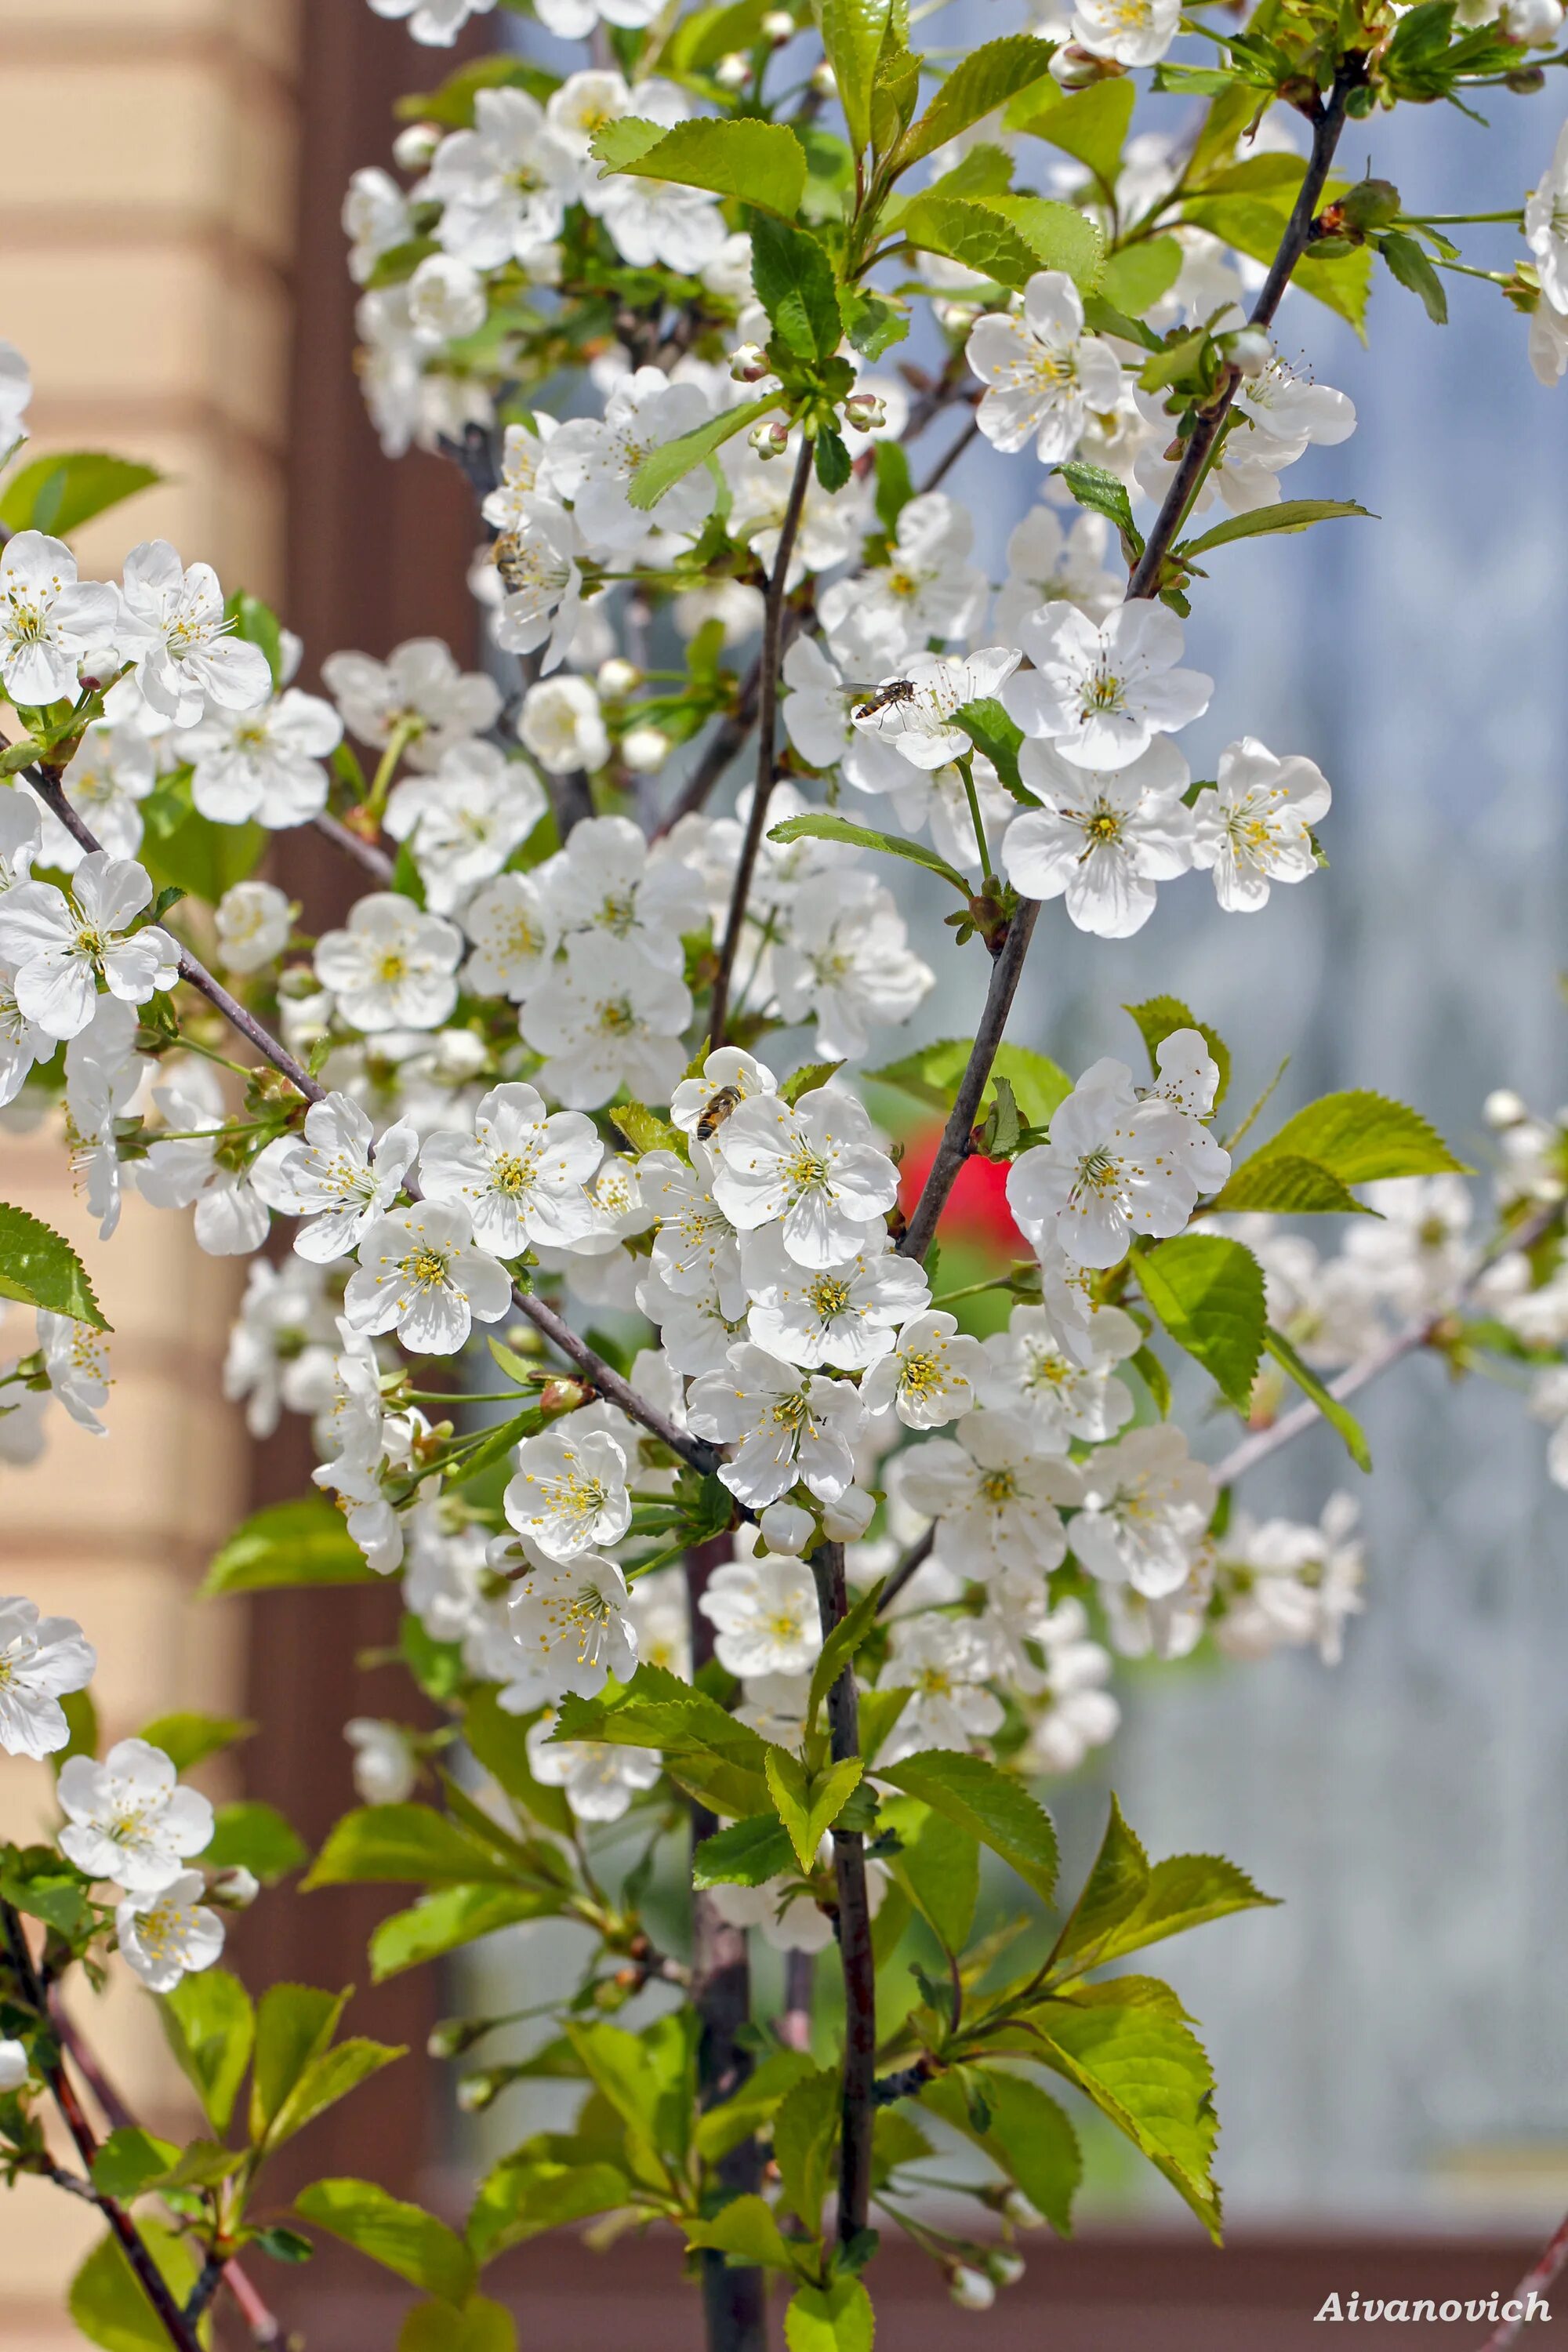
(767, 716)
(853, 1927)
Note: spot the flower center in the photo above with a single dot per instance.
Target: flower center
(512, 1173)
(425, 1266)
(829, 1296)
(921, 1375)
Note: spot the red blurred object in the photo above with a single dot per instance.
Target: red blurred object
(977, 1204)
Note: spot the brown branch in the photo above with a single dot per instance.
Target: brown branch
(353, 845)
(1532, 2286)
(852, 1927)
(767, 713)
(914, 1559)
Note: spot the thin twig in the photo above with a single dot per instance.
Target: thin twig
(1534, 2284)
(852, 1927)
(767, 713)
(353, 845)
(915, 1558)
(950, 457)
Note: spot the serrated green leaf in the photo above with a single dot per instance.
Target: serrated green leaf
(305, 1542)
(980, 82)
(808, 1806)
(1127, 1904)
(710, 1753)
(59, 494)
(1102, 493)
(187, 1740)
(1289, 1185)
(328, 2079)
(986, 1803)
(649, 2079)
(816, 826)
(129, 2160)
(795, 284)
(763, 163)
(940, 1863)
(1091, 125)
(294, 2024)
(1256, 230)
(673, 460)
(852, 34)
(388, 1844)
(991, 730)
(1148, 2072)
(807, 1079)
(106, 2301)
(747, 1854)
(251, 1835)
(1208, 1292)
(1261, 522)
(1058, 235)
(1135, 279)
(1158, 1017)
(1026, 2135)
(526, 2195)
(401, 2237)
(836, 2317)
(1338, 1416)
(930, 1075)
(746, 2231)
(480, 2325)
(1363, 1138)
(805, 2129)
(210, 2025)
(39, 1267)
(709, 34)
(444, 1922)
(964, 230)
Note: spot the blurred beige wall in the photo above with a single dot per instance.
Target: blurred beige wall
(145, 219)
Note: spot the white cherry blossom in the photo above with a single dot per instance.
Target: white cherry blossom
(562, 724)
(392, 967)
(522, 1175)
(599, 1779)
(919, 722)
(1546, 226)
(418, 692)
(534, 572)
(567, 1629)
(1255, 828)
(42, 1661)
(1103, 839)
(765, 1614)
(420, 1275)
(942, 1662)
(1132, 32)
(376, 219)
(604, 1018)
(842, 1314)
(786, 1423)
(1041, 371)
(846, 963)
(1029, 1373)
(462, 823)
(170, 1934)
(129, 1820)
(927, 588)
(63, 949)
(503, 186)
(76, 1359)
(385, 1768)
(814, 1168)
(993, 1499)
(263, 766)
(1049, 565)
(514, 935)
(171, 625)
(569, 1494)
(1146, 1506)
(930, 1375)
(281, 1344)
(254, 922)
(730, 1072)
(1116, 1163)
(337, 1176)
(436, 22)
(606, 880)
(590, 462)
(48, 619)
(1103, 692)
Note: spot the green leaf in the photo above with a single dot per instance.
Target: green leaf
(40, 1268)
(250, 1835)
(210, 2026)
(452, 105)
(795, 284)
(1058, 235)
(644, 1129)
(106, 2301)
(401, 2237)
(500, 1742)
(712, 1755)
(526, 2195)
(940, 1863)
(59, 494)
(294, 2024)
(931, 1073)
(288, 1543)
(188, 1739)
(831, 460)
(1407, 262)
(709, 34)
(748, 1854)
(35, 1879)
(840, 1647)
(1126, 1904)
(186, 851)
(1006, 239)
(1134, 279)
(1289, 515)
(804, 2130)
(1102, 493)
(649, 2079)
(852, 34)
(1025, 2135)
(807, 1079)
(874, 323)
(1091, 125)
(1257, 229)
(988, 1804)
(81, 1722)
(328, 2079)
(1364, 1138)
(977, 86)
(818, 826)
(481, 2326)
(257, 625)
(1207, 1291)
(836, 2317)
(744, 2230)
(383, 1845)
(445, 1921)
(1290, 1186)
(130, 2160)
(993, 731)
(1147, 2071)
(1338, 1415)
(763, 163)
(808, 1807)
(1158, 1017)
(673, 460)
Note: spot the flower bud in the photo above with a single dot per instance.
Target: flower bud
(732, 72)
(778, 27)
(825, 81)
(617, 677)
(1075, 67)
(1371, 203)
(771, 437)
(415, 145)
(645, 750)
(1005, 2266)
(847, 1520)
(787, 1528)
(563, 1395)
(1503, 1107)
(1020, 2212)
(454, 2035)
(970, 2289)
(15, 2066)
(234, 1889)
(749, 363)
(1248, 350)
(956, 318)
(864, 412)
(1526, 81)
(478, 2091)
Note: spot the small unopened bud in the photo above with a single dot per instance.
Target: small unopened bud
(1370, 205)
(522, 1339)
(825, 81)
(1248, 350)
(864, 412)
(749, 363)
(732, 72)
(787, 1528)
(1075, 67)
(778, 27)
(771, 437)
(1020, 2212)
(645, 750)
(15, 2066)
(1526, 81)
(562, 1396)
(234, 1889)
(413, 146)
(616, 678)
(847, 1520)
(1503, 1107)
(956, 318)
(478, 2091)
(454, 2035)
(970, 2289)
(614, 1992)
(1005, 2266)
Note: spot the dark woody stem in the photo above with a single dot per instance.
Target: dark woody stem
(852, 1927)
